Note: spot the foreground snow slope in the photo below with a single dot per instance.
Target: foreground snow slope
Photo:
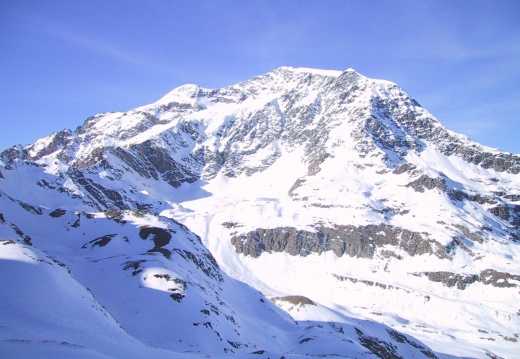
(134, 285)
(311, 186)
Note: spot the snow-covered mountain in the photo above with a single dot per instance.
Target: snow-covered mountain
(195, 224)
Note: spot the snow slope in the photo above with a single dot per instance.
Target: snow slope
(144, 286)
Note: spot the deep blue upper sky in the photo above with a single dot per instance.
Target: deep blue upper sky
(63, 61)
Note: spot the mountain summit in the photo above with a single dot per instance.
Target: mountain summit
(337, 197)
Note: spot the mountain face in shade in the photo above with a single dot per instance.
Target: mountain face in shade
(301, 212)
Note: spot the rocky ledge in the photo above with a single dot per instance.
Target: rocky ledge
(462, 281)
(355, 241)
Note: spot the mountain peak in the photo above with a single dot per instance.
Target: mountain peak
(184, 93)
(388, 121)
(333, 73)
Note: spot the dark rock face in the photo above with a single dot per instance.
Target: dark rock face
(404, 168)
(354, 241)
(400, 338)
(57, 213)
(95, 157)
(452, 279)
(107, 198)
(426, 182)
(162, 162)
(508, 213)
(458, 195)
(137, 161)
(160, 236)
(14, 153)
(387, 349)
(378, 347)
(512, 197)
(100, 242)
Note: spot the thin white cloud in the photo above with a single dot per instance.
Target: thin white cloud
(52, 28)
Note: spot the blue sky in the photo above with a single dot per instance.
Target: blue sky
(63, 61)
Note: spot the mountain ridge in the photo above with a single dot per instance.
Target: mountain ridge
(196, 93)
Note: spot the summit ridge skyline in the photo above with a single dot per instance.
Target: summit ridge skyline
(66, 62)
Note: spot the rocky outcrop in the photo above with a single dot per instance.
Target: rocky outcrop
(458, 195)
(387, 349)
(162, 162)
(57, 142)
(474, 236)
(510, 213)
(404, 168)
(499, 161)
(426, 182)
(354, 241)
(101, 197)
(462, 281)
(159, 236)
